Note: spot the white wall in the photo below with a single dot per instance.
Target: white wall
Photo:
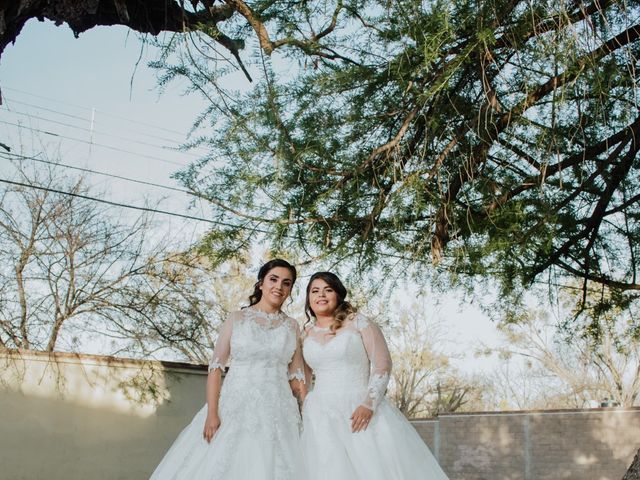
(68, 417)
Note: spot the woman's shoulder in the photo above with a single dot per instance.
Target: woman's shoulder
(361, 321)
(293, 323)
(236, 315)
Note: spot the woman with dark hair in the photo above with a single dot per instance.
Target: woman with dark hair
(249, 428)
(351, 431)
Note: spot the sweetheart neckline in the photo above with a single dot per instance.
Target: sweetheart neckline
(323, 344)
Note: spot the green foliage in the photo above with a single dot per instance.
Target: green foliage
(494, 139)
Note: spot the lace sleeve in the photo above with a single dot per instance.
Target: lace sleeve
(222, 349)
(379, 358)
(308, 371)
(296, 366)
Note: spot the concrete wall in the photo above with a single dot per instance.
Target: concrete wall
(87, 417)
(80, 417)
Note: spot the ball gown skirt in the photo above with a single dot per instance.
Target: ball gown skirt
(389, 449)
(258, 438)
(351, 369)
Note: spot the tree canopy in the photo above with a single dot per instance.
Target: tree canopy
(493, 138)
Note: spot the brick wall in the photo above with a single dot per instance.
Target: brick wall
(594, 444)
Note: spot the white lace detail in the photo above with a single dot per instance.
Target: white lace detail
(320, 329)
(215, 363)
(376, 389)
(256, 405)
(361, 321)
(298, 374)
(256, 398)
(351, 369)
(265, 319)
(353, 361)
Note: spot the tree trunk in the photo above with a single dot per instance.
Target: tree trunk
(634, 470)
(150, 16)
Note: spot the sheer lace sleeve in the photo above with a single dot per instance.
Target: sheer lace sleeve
(296, 366)
(222, 348)
(308, 371)
(380, 359)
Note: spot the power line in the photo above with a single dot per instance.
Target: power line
(93, 143)
(87, 170)
(69, 115)
(57, 112)
(104, 112)
(11, 156)
(84, 129)
(82, 107)
(122, 205)
(83, 119)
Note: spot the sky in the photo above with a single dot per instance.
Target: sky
(93, 103)
(86, 102)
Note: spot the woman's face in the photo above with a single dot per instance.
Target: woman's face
(323, 299)
(276, 286)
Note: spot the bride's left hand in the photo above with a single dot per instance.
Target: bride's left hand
(360, 419)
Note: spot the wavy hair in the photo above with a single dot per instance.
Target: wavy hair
(343, 311)
(262, 273)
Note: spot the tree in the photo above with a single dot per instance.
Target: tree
(518, 383)
(61, 259)
(180, 303)
(423, 380)
(634, 469)
(69, 267)
(577, 363)
(495, 139)
(293, 27)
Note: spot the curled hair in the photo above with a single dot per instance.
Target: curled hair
(343, 311)
(262, 273)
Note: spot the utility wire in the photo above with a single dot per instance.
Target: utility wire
(84, 129)
(57, 112)
(15, 156)
(132, 207)
(83, 119)
(97, 110)
(12, 156)
(93, 143)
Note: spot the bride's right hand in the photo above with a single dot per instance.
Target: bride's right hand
(211, 425)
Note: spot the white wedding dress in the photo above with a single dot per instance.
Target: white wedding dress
(352, 368)
(259, 434)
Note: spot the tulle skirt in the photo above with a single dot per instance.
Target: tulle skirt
(389, 449)
(258, 438)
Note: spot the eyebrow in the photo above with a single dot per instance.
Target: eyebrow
(273, 275)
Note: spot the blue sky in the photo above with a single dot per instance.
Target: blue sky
(49, 78)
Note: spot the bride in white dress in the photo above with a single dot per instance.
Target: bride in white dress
(250, 427)
(351, 431)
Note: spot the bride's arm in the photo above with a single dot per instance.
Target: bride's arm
(380, 359)
(297, 377)
(212, 422)
(218, 361)
(380, 373)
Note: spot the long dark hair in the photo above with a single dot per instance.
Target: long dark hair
(344, 309)
(266, 268)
